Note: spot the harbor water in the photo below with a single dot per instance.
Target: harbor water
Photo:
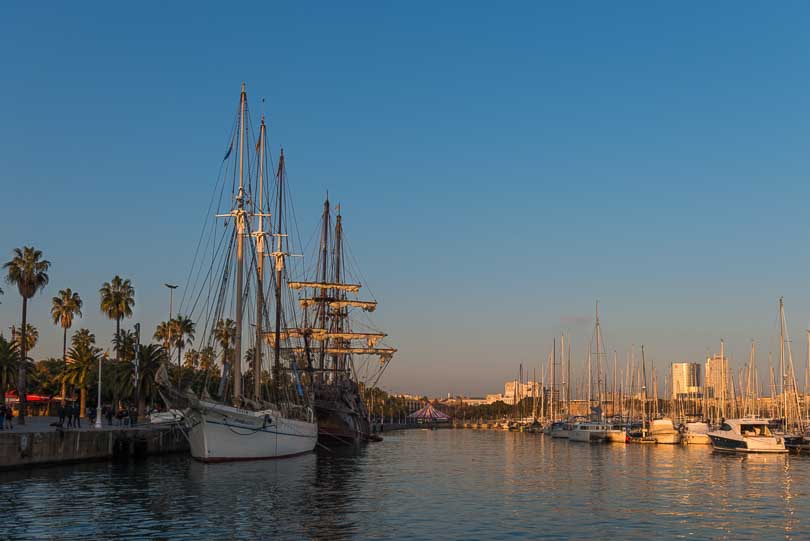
(422, 484)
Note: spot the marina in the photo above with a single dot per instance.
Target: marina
(482, 484)
(405, 271)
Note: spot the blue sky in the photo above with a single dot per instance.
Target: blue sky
(499, 169)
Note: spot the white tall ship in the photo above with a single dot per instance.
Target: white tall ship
(267, 411)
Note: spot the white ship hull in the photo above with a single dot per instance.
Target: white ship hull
(664, 431)
(562, 433)
(697, 439)
(696, 434)
(667, 438)
(590, 432)
(616, 436)
(220, 433)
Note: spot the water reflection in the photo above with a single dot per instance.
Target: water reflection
(460, 484)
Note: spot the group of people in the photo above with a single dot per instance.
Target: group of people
(72, 413)
(6, 417)
(121, 417)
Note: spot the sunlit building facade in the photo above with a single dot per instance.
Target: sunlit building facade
(685, 380)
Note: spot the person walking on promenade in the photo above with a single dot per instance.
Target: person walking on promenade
(109, 415)
(74, 415)
(2, 415)
(69, 415)
(9, 416)
(61, 412)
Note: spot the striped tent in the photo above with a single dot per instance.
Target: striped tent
(429, 413)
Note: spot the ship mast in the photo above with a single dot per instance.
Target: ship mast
(279, 266)
(338, 361)
(259, 235)
(240, 256)
(323, 257)
(599, 363)
(643, 395)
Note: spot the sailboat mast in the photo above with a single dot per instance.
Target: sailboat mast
(724, 377)
(782, 361)
(279, 260)
(240, 255)
(598, 363)
(324, 265)
(553, 379)
(643, 394)
(257, 349)
(568, 377)
(339, 360)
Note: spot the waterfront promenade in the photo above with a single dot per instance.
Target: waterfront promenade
(41, 443)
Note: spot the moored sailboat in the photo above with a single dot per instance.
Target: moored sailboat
(276, 419)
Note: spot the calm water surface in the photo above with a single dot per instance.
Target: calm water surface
(444, 484)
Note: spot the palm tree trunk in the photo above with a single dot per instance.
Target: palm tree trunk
(179, 365)
(21, 370)
(118, 336)
(64, 365)
(83, 402)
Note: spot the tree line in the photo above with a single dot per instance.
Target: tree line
(75, 375)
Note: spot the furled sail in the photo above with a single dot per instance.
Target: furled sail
(321, 335)
(383, 352)
(368, 306)
(351, 288)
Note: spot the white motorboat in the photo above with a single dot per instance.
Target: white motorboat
(664, 431)
(590, 431)
(696, 434)
(560, 430)
(617, 434)
(746, 436)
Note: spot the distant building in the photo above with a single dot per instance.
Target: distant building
(463, 401)
(717, 377)
(685, 380)
(514, 391)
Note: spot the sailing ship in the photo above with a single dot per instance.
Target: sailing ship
(345, 354)
(274, 417)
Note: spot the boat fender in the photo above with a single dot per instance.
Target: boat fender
(267, 421)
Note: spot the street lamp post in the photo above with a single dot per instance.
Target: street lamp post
(98, 407)
(169, 330)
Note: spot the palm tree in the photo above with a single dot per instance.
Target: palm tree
(163, 334)
(117, 300)
(182, 334)
(31, 337)
(65, 306)
(46, 376)
(191, 359)
(83, 361)
(150, 359)
(83, 337)
(207, 359)
(29, 272)
(124, 345)
(9, 365)
(225, 335)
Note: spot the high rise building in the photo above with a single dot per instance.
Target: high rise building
(686, 380)
(717, 377)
